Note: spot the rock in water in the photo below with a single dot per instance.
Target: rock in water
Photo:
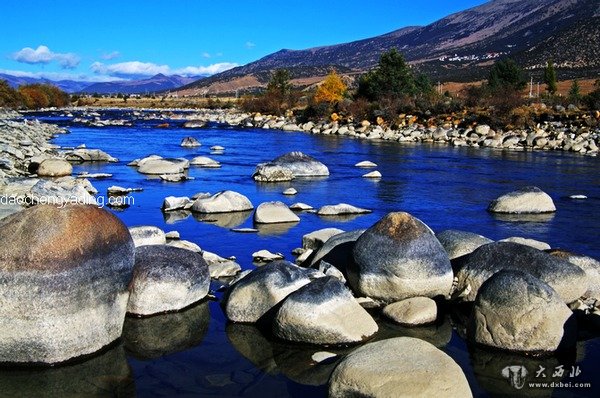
(474, 269)
(64, 275)
(165, 279)
(316, 239)
(459, 243)
(190, 142)
(54, 168)
(263, 288)
(295, 163)
(412, 311)
(373, 174)
(162, 166)
(89, 155)
(222, 202)
(274, 212)
(172, 203)
(525, 200)
(205, 162)
(399, 257)
(147, 235)
(536, 244)
(589, 265)
(323, 312)
(365, 164)
(516, 311)
(341, 209)
(398, 367)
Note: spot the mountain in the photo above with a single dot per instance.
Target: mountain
(154, 84)
(69, 86)
(458, 47)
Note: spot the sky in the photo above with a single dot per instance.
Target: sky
(105, 40)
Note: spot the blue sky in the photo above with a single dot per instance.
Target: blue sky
(123, 39)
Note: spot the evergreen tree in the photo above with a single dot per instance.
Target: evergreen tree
(550, 78)
(506, 74)
(575, 92)
(392, 78)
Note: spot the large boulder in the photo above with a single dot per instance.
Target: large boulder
(165, 279)
(163, 166)
(399, 257)
(263, 288)
(589, 265)
(64, 273)
(296, 163)
(458, 243)
(398, 367)
(222, 202)
(54, 168)
(524, 200)
(274, 212)
(323, 312)
(474, 269)
(516, 311)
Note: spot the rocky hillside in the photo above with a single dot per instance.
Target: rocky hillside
(458, 47)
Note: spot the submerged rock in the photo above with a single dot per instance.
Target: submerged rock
(290, 192)
(222, 202)
(474, 269)
(51, 311)
(323, 312)
(398, 367)
(458, 243)
(399, 257)
(263, 288)
(365, 164)
(373, 174)
(516, 311)
(274, 212)
(165, 279)
(525, 200)
(296, 164)
(341, 209)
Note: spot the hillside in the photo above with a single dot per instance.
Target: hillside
(460, 46)
(154, 84)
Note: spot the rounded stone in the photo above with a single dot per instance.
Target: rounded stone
(398, 367)
(147, 235)
(399, 257)
(162, 166)
(165, 279)
(296, 164)
(412, 311)
(274, 212)
(525, 200)
(205, 162)
(54, 168)
(516, 311)
(64, 273)
(222, 202)
(190, 142)
(458, 243)
(323, 312)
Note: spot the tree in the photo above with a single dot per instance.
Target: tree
(575, 92)
(506, 74)
(9, 97)
(392, 78)
(280, 83)
(550, 78)
(332, 89)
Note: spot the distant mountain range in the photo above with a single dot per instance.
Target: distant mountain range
(460, 47)
(154, 84)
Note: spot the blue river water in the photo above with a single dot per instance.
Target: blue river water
(197, 353)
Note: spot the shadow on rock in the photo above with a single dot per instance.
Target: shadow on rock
(159, 335)
(107, 374)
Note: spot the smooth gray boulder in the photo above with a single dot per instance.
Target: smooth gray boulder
(525, 200)
(474, 269)
(536, 244)
(398, 367)
(273, 213)
(589, 265)
(54, 168)
(222, 202)
(64, 273)
(190, 142)
(147, 235)
(205, 162)
(323, 312)
(165, 279)
(162, 166)
(219, 266)
(399, 257)
(341, 209)
(458, 243)
(89, 155)
(412, 311)
(316, 239)
(171, 203)
(517, 312)
(263, 288)
(297, 164)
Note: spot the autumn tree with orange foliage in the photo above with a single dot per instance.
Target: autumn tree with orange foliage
(332, 89)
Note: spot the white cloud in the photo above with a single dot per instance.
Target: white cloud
(250, 45)
(206, 55)
(43, 55)
(111, 55)
(56, 76)
(138, 69)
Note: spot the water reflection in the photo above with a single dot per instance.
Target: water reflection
(342, 217)
(225, 220)
(107, 374)
(274, 229)
(159, 335)
(438, 334)
(172, 217)
(529, 218)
